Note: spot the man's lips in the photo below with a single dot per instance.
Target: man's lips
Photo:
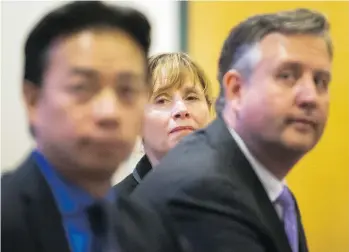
(303, 121)
(180, 128)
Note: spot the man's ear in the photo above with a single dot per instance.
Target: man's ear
(31, 93)
(232, 84)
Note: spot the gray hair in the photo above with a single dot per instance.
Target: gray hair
(238, 50)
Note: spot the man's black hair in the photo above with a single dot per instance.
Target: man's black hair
(75, 17)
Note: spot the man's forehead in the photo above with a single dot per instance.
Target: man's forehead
(304, 49)
(107, 48)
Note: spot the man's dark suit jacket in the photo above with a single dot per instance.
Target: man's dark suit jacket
(31, 222)
(129, 184)
(214, 197)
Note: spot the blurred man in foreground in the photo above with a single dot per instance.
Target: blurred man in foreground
(85, 86)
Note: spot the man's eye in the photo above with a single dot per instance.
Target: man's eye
(321, 83)
(83, 91)
(286, 76)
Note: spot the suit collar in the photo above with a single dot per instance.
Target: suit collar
(239, 170)
(42, 215)
(142, 169)
(272, 185)
(70, 199)
(303, 246)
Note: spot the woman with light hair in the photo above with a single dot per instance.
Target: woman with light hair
(179, 103)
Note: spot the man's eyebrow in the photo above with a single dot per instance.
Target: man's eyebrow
(324, 73)
(127, 75)
(94, 74)
(86, 72)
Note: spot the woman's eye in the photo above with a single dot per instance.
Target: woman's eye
(192, 98)
(161, 100)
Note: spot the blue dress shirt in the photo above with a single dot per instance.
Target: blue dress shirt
(72, 203)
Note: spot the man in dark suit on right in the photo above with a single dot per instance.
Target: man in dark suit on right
(224, 185)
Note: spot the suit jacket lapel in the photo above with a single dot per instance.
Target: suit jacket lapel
(256, 196)
(303, 247)
(44, 219)
(142, 169)
(260, 201)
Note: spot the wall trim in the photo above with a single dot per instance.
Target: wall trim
(183, 27)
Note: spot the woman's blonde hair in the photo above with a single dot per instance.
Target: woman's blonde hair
(175, 68)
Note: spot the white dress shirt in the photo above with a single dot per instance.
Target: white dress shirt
(271, 184)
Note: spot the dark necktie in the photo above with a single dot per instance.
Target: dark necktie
(98, 218)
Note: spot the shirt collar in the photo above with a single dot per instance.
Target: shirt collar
(271, 184)
(69, 198)
(142, 169)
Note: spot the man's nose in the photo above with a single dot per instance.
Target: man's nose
(105, 108)
(307, 93)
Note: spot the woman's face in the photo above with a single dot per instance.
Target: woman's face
(172, 114)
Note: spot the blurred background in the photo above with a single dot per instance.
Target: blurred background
(320, 181)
